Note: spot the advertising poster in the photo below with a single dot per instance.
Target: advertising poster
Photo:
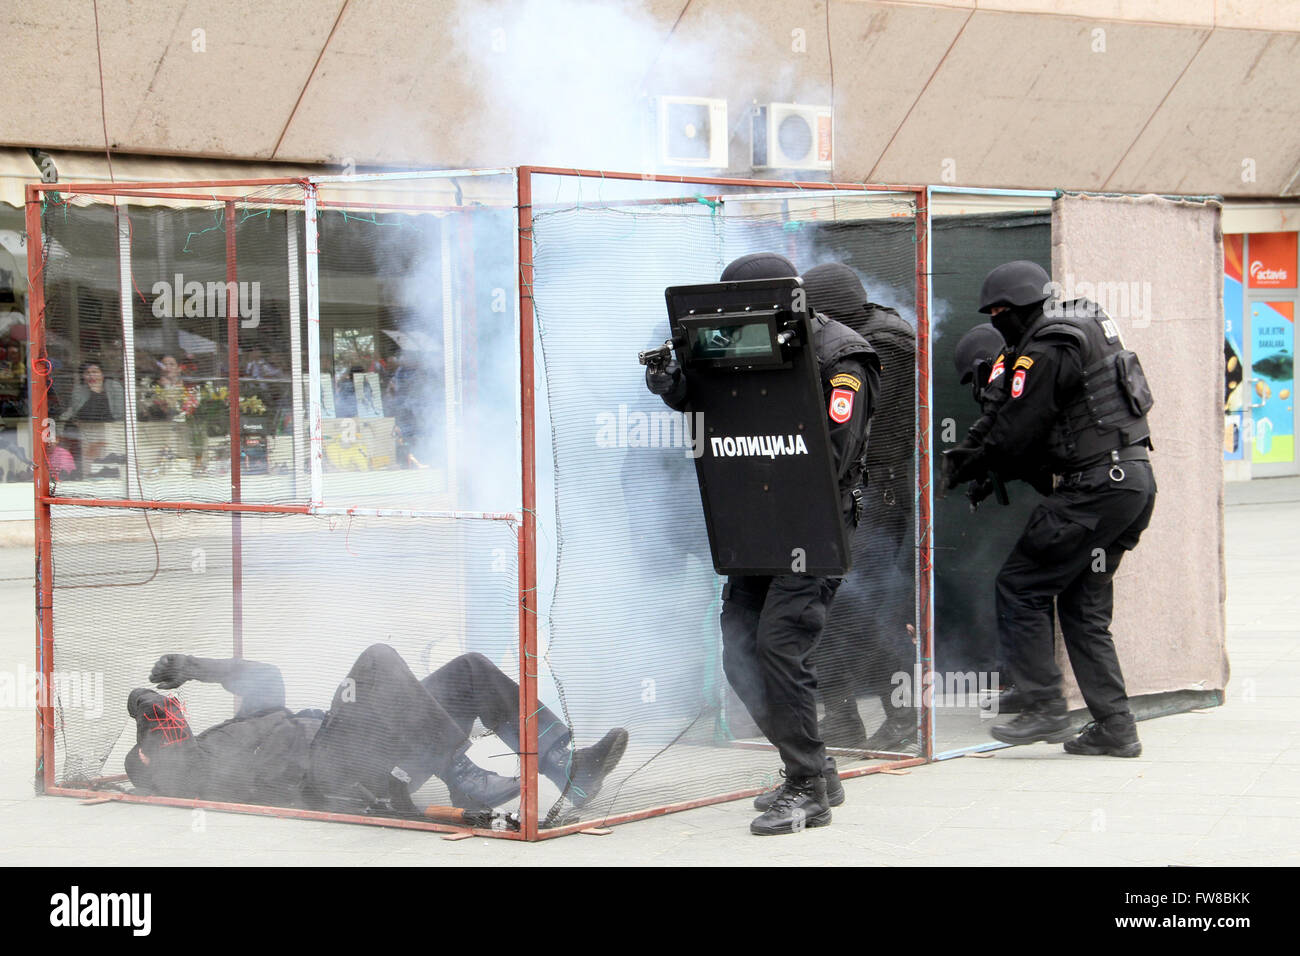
(1273, 260)
(370, 403)
(1272, 350)
(1234, 441)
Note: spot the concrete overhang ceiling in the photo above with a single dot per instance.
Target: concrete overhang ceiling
(1142, 96)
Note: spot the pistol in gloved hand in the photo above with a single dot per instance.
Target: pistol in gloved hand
(963, 463)
(977, 491)
(662, 373)
(662, 380)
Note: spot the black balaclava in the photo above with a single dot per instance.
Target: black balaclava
(1012, 322)
(759, 265)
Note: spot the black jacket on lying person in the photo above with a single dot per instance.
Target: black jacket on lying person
(381, 718)
(261, 755)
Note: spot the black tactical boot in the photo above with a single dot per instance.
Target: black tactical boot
(1041, 720)
(842, 726)
(1115, 736)
(579, 774)
(474, 788)
(801, 803)
(834, 789)
(1009, 701)
(898, 734)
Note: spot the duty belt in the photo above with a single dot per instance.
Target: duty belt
(1111, 461)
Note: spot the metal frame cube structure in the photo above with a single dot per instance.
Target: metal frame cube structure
(311, 196)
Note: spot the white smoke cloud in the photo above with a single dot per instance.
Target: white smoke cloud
(572, 79)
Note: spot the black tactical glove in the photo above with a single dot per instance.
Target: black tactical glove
(172, 670)
(962, 463)
(661, 381)
(977, 491)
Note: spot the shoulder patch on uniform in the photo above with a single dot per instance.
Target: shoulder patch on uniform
(845, 380)
(998, 369)
(1023, 362)
(841, 407)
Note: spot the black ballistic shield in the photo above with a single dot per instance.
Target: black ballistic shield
(767, 479)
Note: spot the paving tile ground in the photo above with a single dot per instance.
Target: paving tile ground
(1219, 787)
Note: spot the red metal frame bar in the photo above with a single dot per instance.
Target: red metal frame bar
(528, 705)
(705, 802)
(400, 207)
(924, 519)
(256, 200)
(194, 184)
(153, 191)
(177, 505)
(291, 813)
(38, 389)
(880, 768)
(321, 511)
(208, 198)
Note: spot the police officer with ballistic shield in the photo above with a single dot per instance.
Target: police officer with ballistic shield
(1077, 400)
(753, 375)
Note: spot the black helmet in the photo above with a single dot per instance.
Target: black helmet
(835, 289)
(1018, 283)
(759, 265)
(978, 347)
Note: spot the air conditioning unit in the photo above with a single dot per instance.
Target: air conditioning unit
(789, 136)
(692, 131)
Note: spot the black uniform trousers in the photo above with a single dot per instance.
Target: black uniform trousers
(383, 718)
(770, 628)
(1068, 553)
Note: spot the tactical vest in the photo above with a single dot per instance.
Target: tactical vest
(1109, 412)
(834, 342)
(889, 457)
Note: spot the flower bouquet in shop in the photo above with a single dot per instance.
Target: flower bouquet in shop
(168, 423)
(167, 403)
(205, 409)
